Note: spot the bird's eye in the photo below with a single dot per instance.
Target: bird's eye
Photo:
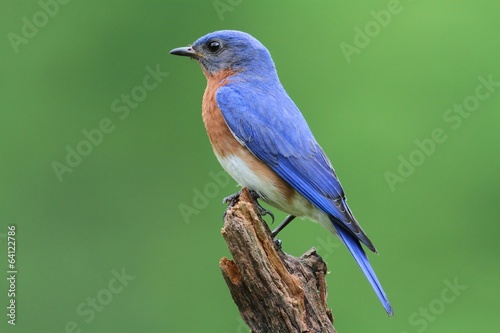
(214, 46)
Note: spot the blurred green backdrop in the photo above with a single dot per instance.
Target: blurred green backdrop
(375, 82)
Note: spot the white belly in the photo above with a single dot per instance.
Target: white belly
(247, 177)
(297, 206)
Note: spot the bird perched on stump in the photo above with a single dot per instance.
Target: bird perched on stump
(262, 140)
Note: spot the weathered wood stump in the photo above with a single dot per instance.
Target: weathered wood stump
(275, 292)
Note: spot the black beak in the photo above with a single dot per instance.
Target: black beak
(184, 51)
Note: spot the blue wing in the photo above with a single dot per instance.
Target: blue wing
(270, 125)
(273, 129)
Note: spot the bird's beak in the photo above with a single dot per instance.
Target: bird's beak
(187, 51)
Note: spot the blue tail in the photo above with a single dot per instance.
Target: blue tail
(360, 256)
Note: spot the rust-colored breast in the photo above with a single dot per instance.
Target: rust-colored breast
(225, 144)
(223, 141)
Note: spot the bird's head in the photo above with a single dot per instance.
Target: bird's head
(229, 50)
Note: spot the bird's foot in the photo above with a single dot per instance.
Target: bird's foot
(262, 210)
(277, 243)
(230, 200)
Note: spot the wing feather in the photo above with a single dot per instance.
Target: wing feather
(275, 131)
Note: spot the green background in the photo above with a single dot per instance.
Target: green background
(120, 207)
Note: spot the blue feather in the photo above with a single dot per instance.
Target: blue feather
(360, 256)
(282, 139)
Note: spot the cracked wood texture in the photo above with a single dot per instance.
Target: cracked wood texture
(275, 292)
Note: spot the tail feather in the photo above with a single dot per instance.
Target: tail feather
(360, 256)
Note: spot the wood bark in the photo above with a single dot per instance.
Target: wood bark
(275, 292)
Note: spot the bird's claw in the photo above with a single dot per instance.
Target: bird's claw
(230, 200)
(277, 242)
(262, 211)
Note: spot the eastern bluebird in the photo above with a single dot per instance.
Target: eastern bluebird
(262, 140)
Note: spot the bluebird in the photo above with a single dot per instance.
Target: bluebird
(262, 140)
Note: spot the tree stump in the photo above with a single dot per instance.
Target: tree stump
(275, 292)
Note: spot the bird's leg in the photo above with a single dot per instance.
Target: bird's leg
(230, 200)
(262, 210)
(282, 225)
